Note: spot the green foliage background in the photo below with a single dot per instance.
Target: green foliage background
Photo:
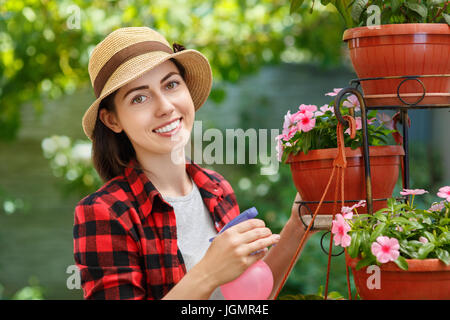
(44, 53)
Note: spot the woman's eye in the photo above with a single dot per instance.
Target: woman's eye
(171, 82)
(139, 99)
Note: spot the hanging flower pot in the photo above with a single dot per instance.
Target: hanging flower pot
(413, 49)
(311, 172)
(427, 279)
(401, 252)
(309, 145)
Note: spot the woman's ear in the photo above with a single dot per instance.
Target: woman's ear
(109, 119)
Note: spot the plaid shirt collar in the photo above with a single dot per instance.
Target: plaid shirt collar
(145, 192)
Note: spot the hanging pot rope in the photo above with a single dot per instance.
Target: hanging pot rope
(340, 162)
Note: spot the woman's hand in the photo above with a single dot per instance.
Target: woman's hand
(230, 253)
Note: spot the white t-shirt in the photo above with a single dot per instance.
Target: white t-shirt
(194, 229)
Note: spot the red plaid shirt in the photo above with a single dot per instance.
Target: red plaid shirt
(125, 237)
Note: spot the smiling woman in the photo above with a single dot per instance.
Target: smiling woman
(112, 151)
(144, 234)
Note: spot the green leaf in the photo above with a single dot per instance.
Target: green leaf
(434, 2)
(429, 236)
(424, 250)
(444, 238)
(365, 243)
(420, 9)
(367, 261)
(446, 18)
(444, 221)
(353, 249)
(377, 232)
(395, 5)
(401, 263)
(400, 220)
(443, 255)
(357, 9)
(334, 295)
(380, 217)
(295, 4)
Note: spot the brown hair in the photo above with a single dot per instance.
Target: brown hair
(112, 151)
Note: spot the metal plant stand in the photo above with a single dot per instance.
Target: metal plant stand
(403, 108)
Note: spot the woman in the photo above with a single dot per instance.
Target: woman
(144, 234)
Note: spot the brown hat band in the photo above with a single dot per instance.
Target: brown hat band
(122, 56)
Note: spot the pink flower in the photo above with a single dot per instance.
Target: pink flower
(385, 249)
(352, 102)
(423, 240)
(306, 122)
(444, 192)
(288, 133)
(361, 203)
(324, 109)
(437, 206)
(407, 192)
(334, 93)
(301, 113)
(347, 212)
(359, 124)
(340, 228)
(279, 149)
(386, 120)
(307, 107)
(287, 120)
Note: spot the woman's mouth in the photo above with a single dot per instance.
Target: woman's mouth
(169, 129)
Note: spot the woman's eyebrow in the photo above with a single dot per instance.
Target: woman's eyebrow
(146, 87)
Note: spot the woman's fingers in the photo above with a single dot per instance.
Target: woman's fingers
(248, 225)
(255, 234)
(261, 243)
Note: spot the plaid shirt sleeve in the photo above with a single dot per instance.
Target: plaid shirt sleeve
(125, 235)
(106, 254)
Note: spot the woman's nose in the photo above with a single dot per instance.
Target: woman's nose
(164, 105)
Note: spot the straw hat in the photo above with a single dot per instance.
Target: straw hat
(127, 53)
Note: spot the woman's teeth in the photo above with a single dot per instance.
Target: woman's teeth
(169, 127)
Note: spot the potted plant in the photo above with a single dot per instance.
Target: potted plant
(395, 38)
(409, 246)
(308, 143)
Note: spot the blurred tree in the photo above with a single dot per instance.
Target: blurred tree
(45, 45)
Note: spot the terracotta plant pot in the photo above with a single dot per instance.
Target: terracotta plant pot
(427, 279)
(401, 50)
(312, 171)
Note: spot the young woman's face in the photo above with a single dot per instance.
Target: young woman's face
(156, 110)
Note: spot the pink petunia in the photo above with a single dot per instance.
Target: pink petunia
(386, 120)
(340, 229)
(307, 107)
(407, 192)
(351, 102)
(324, 109)
(287, 120)
(423, 240)
(288, 133)
(444, 192)
(279, 148)
(347, 212)
(305, 123)
(334, 93)
(386, 249)
(300, 114)
(358, 121)
(437, 207)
